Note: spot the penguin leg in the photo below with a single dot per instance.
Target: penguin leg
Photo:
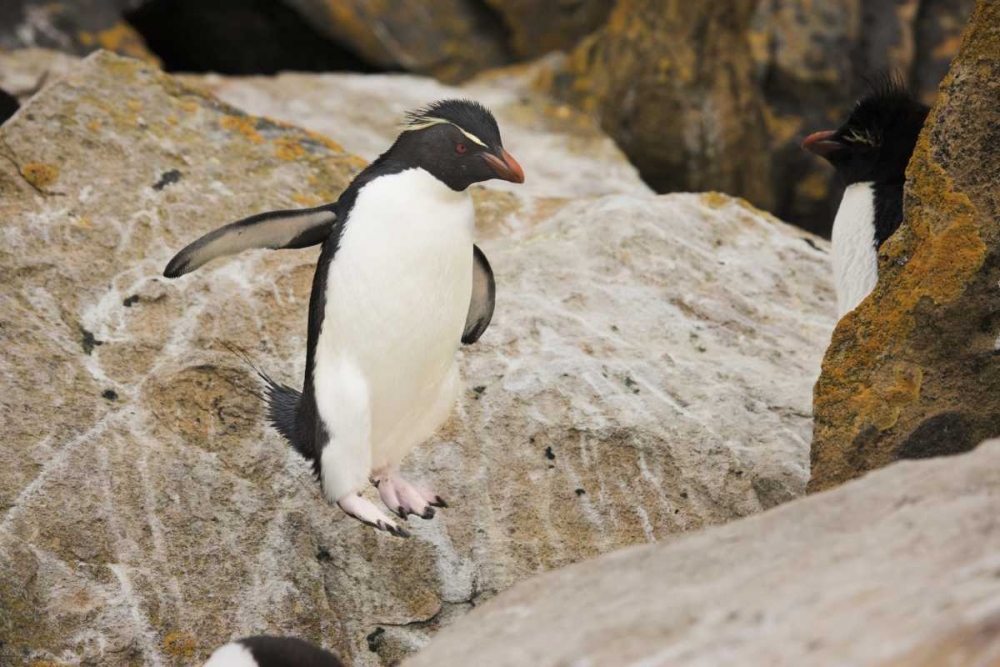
(403, 497)
(365, 511)
(342, 400)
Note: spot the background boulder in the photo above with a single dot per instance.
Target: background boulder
(680, 72)
(647, 373)
(913, 371)
(709, 95)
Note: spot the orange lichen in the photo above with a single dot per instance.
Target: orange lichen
(94, 125)
(179, 644)
(326, 141)
(120, 38)
(715, 200)
(288, 149)
(880, 407)
(245, 125)
(40, 175)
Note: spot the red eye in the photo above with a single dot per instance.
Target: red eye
(460, 147)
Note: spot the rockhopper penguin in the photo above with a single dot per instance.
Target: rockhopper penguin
(870, 153)
(267, 651)
(398, 287)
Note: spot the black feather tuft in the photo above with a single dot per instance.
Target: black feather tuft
(469, 115)
(282, 405)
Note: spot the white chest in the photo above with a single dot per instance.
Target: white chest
(855, 259)
(398, 289)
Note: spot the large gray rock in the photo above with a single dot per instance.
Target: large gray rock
(564, 152)
(648, 372)
(899, 568)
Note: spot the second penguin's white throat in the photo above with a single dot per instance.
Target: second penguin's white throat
(855, 257)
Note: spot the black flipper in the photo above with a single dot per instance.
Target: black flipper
(484, 292)
(273, 230)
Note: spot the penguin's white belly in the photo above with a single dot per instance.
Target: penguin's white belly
(855, 258)
(397, 296)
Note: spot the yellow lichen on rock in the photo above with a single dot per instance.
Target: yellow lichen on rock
(243, 125)
(40, 175)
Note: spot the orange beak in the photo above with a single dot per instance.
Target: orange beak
(506, 167)
(822, 143)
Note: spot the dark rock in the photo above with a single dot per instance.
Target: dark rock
(539, 27)
(455, 40)
(238, 37)
(78, 27)
(674, 83)
(914, 370)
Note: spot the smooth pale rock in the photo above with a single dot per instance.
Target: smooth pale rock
(899, 568)
(913, 371)
(648, 372)
(564, 153)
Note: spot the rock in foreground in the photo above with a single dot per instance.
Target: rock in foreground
(913, 372)
(647, 372)
(896, 569)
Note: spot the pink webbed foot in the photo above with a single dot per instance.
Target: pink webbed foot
(405, 498)
(365, 511)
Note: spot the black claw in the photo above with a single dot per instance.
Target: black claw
(428, 513)
(402, 514)
(400, 532)
(439, 502)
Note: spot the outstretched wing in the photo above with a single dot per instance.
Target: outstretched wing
(484, 292)
(276, 229)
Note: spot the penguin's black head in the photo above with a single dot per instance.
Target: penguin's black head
(876, 142)
(457, 141)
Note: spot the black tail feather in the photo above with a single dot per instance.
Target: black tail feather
(282, 404)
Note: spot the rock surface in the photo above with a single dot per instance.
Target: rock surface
(673, 83)
(913, 371)
(647, 373)
(736, 84)
(538, 27)
(451, 41)
(899, 568)
(79, 27)
(720, 94)
(565, 153)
